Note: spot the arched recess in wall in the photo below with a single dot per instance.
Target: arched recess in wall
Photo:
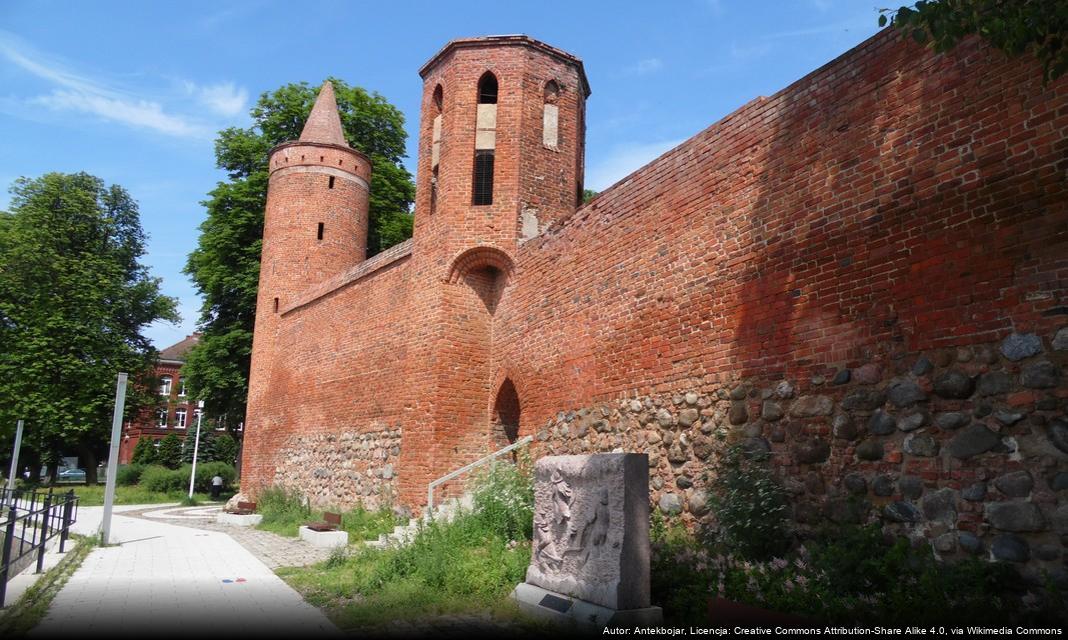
(504, 425)
(486, 270)
(435, 148)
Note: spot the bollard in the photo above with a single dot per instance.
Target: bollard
(44, 532)
(68, 506)
(9, 536)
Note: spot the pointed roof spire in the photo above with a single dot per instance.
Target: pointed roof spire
(324, 123)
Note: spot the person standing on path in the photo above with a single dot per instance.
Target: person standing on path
(216, 486)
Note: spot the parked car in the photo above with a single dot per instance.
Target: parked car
(71, 475)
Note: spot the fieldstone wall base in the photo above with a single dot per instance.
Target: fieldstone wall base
(324, 539)
(239, 520)
(342, 469)
(562, 609)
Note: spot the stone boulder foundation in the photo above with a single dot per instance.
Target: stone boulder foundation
(590, 556)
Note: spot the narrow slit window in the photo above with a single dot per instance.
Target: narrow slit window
(319, 234)
(487, 89)
(483, 187)
(276, 305)
(331, 184)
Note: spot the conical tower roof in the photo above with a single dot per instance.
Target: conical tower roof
(324, 123)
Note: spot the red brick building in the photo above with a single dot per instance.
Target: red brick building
(176, 412)
(864, 274)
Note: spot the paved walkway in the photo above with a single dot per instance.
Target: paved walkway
(271, 549)
(166, 579)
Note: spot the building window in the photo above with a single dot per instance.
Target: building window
(485, 140)
(181, 387)
(161, 418)
(550, 120)
(179, 418)
(435, 147)
(483, 189)
(165, 386)
(487, 89)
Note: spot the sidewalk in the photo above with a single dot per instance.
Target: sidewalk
(163, 579)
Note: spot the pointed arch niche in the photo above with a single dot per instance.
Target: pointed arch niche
(504, 423)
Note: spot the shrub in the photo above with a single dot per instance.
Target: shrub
(164, 480)
(129, 474)
(169, 453)
(144, 452)
(225, 449)
(207, 470)
(749, 504)
(504, 499)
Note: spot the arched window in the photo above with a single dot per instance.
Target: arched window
(487, 88)
(485, 140)
(550, 120)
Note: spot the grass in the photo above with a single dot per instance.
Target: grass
(93, 495)
(460, 567)
(24, 615)
(467, 566)
(284, 512)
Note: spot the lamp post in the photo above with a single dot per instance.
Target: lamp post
(196, 447)
(113, 458)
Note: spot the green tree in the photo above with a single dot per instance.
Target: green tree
(144, 452)
(225, 449)
(1013, 26)
(225, 266)
(588, 195)
(74, 299)
(169, 453)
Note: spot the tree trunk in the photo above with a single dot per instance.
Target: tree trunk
(88, 457)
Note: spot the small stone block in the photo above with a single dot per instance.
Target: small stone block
(547, 605)
(324, 539)
(239, 520)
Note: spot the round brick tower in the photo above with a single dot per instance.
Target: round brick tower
(315, 227)
(315, 224)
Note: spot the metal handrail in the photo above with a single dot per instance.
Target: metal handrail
(43, 517)
(525, 440)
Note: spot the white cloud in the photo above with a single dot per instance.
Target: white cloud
(79, 92)
(134, 113)
(646, 66)
(623, 160)
(223, 98)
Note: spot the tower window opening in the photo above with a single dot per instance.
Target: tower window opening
(331, 184)
(438, 98)
(276, 305)
(483, 183)
(433, 189)
(487, 89)
(319, 235)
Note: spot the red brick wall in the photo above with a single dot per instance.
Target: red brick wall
(890, 203)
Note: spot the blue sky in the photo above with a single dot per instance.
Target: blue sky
(134, 92)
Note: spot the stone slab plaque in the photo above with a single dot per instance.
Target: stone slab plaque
(591, 528)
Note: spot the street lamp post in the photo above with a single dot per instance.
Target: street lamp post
(196, 448)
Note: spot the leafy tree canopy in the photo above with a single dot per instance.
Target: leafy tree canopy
(225, 266)
(1013, 26)
(74, 298)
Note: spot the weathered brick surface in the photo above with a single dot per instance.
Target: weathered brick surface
(896, 214)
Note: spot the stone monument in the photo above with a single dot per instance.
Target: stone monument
(590, 557)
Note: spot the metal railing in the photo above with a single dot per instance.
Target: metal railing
(525, 440)
(33, 518)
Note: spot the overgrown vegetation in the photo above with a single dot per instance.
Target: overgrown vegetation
(285, 511)
(22, 616)
(847, 575)
(750, 504)
(466, 565)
